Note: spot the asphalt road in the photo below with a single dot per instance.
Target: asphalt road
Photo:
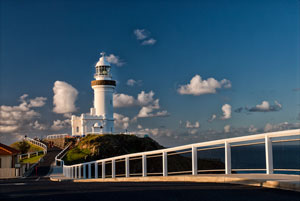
(33, 189)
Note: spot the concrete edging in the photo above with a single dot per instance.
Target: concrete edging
(284, 185)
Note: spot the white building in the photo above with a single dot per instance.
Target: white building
(100, 119)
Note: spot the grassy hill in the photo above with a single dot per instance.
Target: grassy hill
(95, 147)
(29, 147)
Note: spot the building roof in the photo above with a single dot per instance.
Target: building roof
(102, 61)
(7, 150)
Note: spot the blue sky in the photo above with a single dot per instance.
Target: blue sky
(254, 45)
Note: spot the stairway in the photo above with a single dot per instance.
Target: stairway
(44, 166)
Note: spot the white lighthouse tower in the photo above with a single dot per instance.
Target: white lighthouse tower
(104, 88)
(100, 120)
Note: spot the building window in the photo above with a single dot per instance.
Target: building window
(77, 129)
(111, 102)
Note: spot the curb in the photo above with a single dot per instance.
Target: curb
(283, 185)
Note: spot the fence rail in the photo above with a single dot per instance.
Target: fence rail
(57, 136)
(85, 170)
(40, 144)
(58, 158)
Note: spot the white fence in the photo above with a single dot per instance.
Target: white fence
(56, 136)
(30, 154)
(42, 145)
(90, 169)
(58, 158)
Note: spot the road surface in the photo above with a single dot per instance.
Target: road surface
(41, 188)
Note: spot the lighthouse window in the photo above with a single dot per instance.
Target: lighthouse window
(104, 70)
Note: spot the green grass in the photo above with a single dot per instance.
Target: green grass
(33, 147)
(76, 154)
(32, 159)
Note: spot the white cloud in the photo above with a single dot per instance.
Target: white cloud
(123, 100)
(113, 59)
(36, 125)
(148, 104)
(141, 34)
(64, 98)
(150, 41)
(226, 83)
(8, 128)
(213, 117)
(278, 104)
(121, 121)
(263, 106)
(145, 98)
(17, 118)
(226, 111)
(281, 126)
(60, 124)
(132, 82)
(227, 128)
(37, 102)
(252, 129)
(197, 86)
(147, 111)
(266, 107)
(188, 124)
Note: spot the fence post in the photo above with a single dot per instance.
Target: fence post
(144, 164)
(103, 169)
(194, 160)
(90, 170)
(76, 172)
(227, 158)
(127, 170)
(165, 163)
(79, 171)
(84, 171)
(96, 170)
(269, 155)
(113, 168)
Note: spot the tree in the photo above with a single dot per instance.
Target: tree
(23, 146)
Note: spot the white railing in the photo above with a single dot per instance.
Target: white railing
(57, 136)
(30, 154)
(42, 145)
(85, 170)
(58, 158)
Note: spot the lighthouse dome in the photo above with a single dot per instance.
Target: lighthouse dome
(102, 61)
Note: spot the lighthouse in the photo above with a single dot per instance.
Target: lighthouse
(100, 119)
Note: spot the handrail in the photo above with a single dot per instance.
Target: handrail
(40, 144)
(63, 152)
(71, 170)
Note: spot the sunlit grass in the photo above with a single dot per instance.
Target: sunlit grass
(32, 159)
